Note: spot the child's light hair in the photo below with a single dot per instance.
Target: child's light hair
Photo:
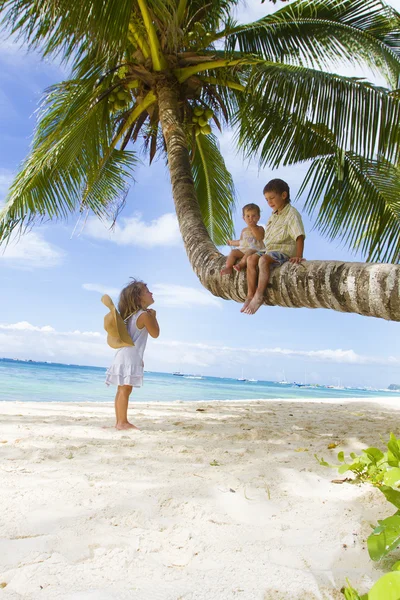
(129, 298)
(277, 185)
(251, 206)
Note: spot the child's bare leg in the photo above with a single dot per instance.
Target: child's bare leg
(121, 407)
(252, 263)
(230, 261)
(264, 267)
(242, 263)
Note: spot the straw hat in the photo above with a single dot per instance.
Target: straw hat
(117, 333)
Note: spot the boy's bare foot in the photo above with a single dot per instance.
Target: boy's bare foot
(226, 271)
(254, 305)
(121, 426)
(238, 267)
(246, 304)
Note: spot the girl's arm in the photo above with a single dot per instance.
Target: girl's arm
(233, 242)
(148, 319)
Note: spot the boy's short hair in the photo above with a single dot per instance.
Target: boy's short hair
(251, 206)
(277, 185)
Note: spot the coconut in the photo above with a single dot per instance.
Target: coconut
(203, 121)
(198, 111)
(197, 130)
(122, 72)
(206, 130)
(122, 95)
(195, 119)
(208, 113)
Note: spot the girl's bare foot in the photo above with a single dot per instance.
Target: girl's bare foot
(127, 425)
(238, 267)
(226, 271)
(254, 305)
(246, 304)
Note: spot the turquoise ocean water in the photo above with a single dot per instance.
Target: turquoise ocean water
(51, 382)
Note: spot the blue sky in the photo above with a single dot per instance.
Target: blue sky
(52, 279)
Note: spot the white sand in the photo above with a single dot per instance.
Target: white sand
(92, 513)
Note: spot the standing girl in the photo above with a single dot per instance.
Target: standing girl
(126, 370)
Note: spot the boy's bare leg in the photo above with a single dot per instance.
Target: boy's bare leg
(242, 263)
(264, 267)
(121, 407)
(252, 263)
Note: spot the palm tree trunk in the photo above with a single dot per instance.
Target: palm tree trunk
(365, 288)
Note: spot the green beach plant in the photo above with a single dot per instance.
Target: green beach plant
(382, 470)
(142, 71)
(386, 588)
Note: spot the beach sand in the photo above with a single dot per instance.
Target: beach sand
(209, 501)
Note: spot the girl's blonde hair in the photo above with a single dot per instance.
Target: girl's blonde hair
(129, 298)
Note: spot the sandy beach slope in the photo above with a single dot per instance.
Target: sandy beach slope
(223, 503)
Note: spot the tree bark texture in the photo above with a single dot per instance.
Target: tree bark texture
(369, 289)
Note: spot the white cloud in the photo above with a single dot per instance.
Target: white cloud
(31, 251)
(206, 354)
(24, 340)
(166, 294)
(133, 231)
(101, 289)
(25, 326)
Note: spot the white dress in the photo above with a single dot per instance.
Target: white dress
(249, 242)
(127, 366)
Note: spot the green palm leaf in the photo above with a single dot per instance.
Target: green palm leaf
(363, 209)
(63, 27)
(68, 144)
(323, 33)
(362, 118)
(214, 188)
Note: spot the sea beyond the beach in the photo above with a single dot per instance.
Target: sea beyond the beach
(52, 382)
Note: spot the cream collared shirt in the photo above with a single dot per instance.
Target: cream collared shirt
(282, 231)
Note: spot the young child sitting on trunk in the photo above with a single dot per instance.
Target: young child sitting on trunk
(251, 240)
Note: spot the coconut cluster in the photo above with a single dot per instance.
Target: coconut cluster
(201, 118)
(120, 98)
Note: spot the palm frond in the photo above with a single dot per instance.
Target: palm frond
(363, 209)
(63, 27)
(214, 188)
(324, 33)
(74, 132)
(287, 141)
(362, 118)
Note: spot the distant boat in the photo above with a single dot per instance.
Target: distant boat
(241, 378)
(284, 381)
(192, 376)
(178, 374)
(253, 380)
